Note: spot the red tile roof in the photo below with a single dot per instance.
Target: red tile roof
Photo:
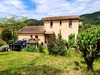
(62, 17)
(32, 29)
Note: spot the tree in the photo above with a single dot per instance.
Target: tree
(34, 22)
(6, 35)
(14, 23)
(60, 47)
(88, 44)
(51, 45)
(56, 46)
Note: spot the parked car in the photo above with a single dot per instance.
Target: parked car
(19, 44)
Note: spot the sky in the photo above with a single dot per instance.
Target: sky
(38, 9)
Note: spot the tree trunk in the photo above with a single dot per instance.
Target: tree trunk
(13, 41)
(89, 62)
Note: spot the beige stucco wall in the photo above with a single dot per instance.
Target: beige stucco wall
(28, 35)
(65, 30)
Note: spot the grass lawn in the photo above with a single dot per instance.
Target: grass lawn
(28, 63)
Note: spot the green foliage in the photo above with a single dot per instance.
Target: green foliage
(6, 35)
(10, 41)
(1, 44)
(57, 46)
(14, 24)
(86, 26)
(4, 48)
(51, 45)
(40, 47)
(15, 36)
(88, 37)
(34, 22)
(92, 18)
(88, 43)
(71, 40)
(65, 42)
(29, 49)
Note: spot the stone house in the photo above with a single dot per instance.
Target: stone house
(52, 25)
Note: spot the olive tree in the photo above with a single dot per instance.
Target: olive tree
(88, 44)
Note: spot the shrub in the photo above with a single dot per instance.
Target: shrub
(40, 47)
(57, 46)
(71, 40)
(51, 45)
(65, 42)
(10, 41)
(29, 49)
(6, 35)
(2, 41)
(4, 48)
(1, 44)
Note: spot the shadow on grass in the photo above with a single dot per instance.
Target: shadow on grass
(76, 63)
(4, 54)
(95, 72)
(32, 70)
(83, 62)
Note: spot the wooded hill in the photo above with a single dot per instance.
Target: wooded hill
(92, 18)
(34, 22)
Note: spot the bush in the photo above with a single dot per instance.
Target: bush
(4, 48)
(1, 44)
(40, 47)
(6, 35)
(71, 40)
(2, 41)
(29, 49)
(57, 46)
(10, 41)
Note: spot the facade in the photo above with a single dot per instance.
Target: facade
(31, 32)
(52, 25)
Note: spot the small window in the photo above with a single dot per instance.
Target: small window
(51, 24)
(31, 36)
(36, 37)
(48, 36)
(70, 23)
(60, 23)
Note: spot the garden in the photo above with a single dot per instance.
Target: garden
(59, 57)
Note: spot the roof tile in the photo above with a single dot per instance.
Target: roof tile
(32, 29)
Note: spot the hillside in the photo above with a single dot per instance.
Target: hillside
(34, 22)
(92, 18)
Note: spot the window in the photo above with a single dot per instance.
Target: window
(70, 23)
(48, 36)
(60, 23)
(31, 36)
(51, 24)
(36, 37)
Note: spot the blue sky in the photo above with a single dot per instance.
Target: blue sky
(38, 9)
(31, 5)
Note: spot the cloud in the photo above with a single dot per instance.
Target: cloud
(66, 7)
(48, 8)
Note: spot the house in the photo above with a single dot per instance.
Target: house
(52, 25)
